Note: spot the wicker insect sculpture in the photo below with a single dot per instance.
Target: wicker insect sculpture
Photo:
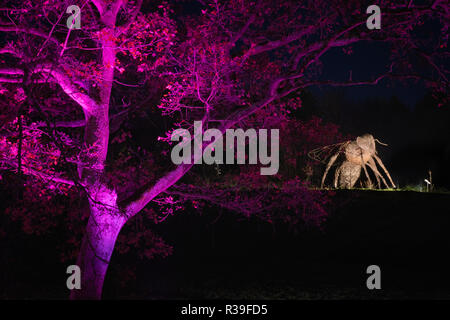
(358, 155)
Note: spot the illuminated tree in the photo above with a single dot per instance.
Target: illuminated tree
(225, 63)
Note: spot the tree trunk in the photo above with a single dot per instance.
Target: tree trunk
(105, 221)
(102, 230)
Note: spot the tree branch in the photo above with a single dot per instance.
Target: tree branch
(280, 43)
(369, 82)
(239, 35)
(37, 173)
(68, 86)
(132, 18)
(100, 5)
(30, 31)
(67, 124)
(138, 201)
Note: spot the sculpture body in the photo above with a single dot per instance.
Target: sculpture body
(358, 154)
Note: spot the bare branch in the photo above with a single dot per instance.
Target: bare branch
(388, 74)
(239, 35)
(282, 42)
(38, 174)
(10, 50)
(132, 18)
(30, 31)
(100, 5)
(138, 201)
(67, 124)
(12, 71)
(10, 80)
(69, 87)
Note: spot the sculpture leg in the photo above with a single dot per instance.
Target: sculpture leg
(365, 171)
(330, 163)
(372, 165)
(385, 170)
(336, 176)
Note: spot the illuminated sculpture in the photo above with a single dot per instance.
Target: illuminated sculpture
(358, 154)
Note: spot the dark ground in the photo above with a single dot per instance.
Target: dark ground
(405, 233)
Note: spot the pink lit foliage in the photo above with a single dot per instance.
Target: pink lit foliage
(71, 102)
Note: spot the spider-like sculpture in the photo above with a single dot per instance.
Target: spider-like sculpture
(358, 154)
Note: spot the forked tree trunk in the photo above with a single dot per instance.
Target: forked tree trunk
(102, 230)
(105, 221)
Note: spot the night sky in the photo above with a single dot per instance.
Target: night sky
(367, 62)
